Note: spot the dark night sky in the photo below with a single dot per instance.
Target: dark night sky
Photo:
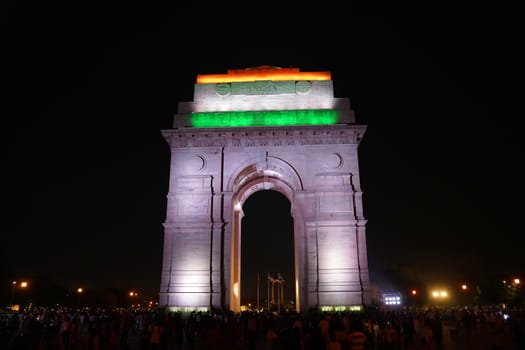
(88, 89)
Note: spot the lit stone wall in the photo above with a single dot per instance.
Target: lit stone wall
(214, 170)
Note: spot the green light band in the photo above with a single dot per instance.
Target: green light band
(263, 118)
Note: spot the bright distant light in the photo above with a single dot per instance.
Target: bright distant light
(516, 281)
(391, 299)
(439, 294)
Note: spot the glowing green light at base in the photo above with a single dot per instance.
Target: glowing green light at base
(263, 118)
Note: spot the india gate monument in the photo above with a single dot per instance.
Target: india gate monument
(257, 129)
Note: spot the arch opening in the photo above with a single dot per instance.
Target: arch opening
(267, 249)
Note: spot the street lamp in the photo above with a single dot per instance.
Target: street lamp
(23, 284)
(12, 294)
(132, 295)
(80, 290)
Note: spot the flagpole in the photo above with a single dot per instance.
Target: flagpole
(258, 285)
(268, 290)
(278, 298)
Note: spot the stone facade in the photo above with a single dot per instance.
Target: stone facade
(215, 169)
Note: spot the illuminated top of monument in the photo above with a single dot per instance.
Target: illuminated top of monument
(261, 73)
(263, 96)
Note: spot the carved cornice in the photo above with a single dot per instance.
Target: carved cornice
(265, 136)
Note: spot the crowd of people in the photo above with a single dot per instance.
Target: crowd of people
(131, 329)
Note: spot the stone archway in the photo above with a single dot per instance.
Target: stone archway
(270, 174)
(264, 128)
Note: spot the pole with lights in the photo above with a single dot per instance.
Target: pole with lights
(22, 284)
